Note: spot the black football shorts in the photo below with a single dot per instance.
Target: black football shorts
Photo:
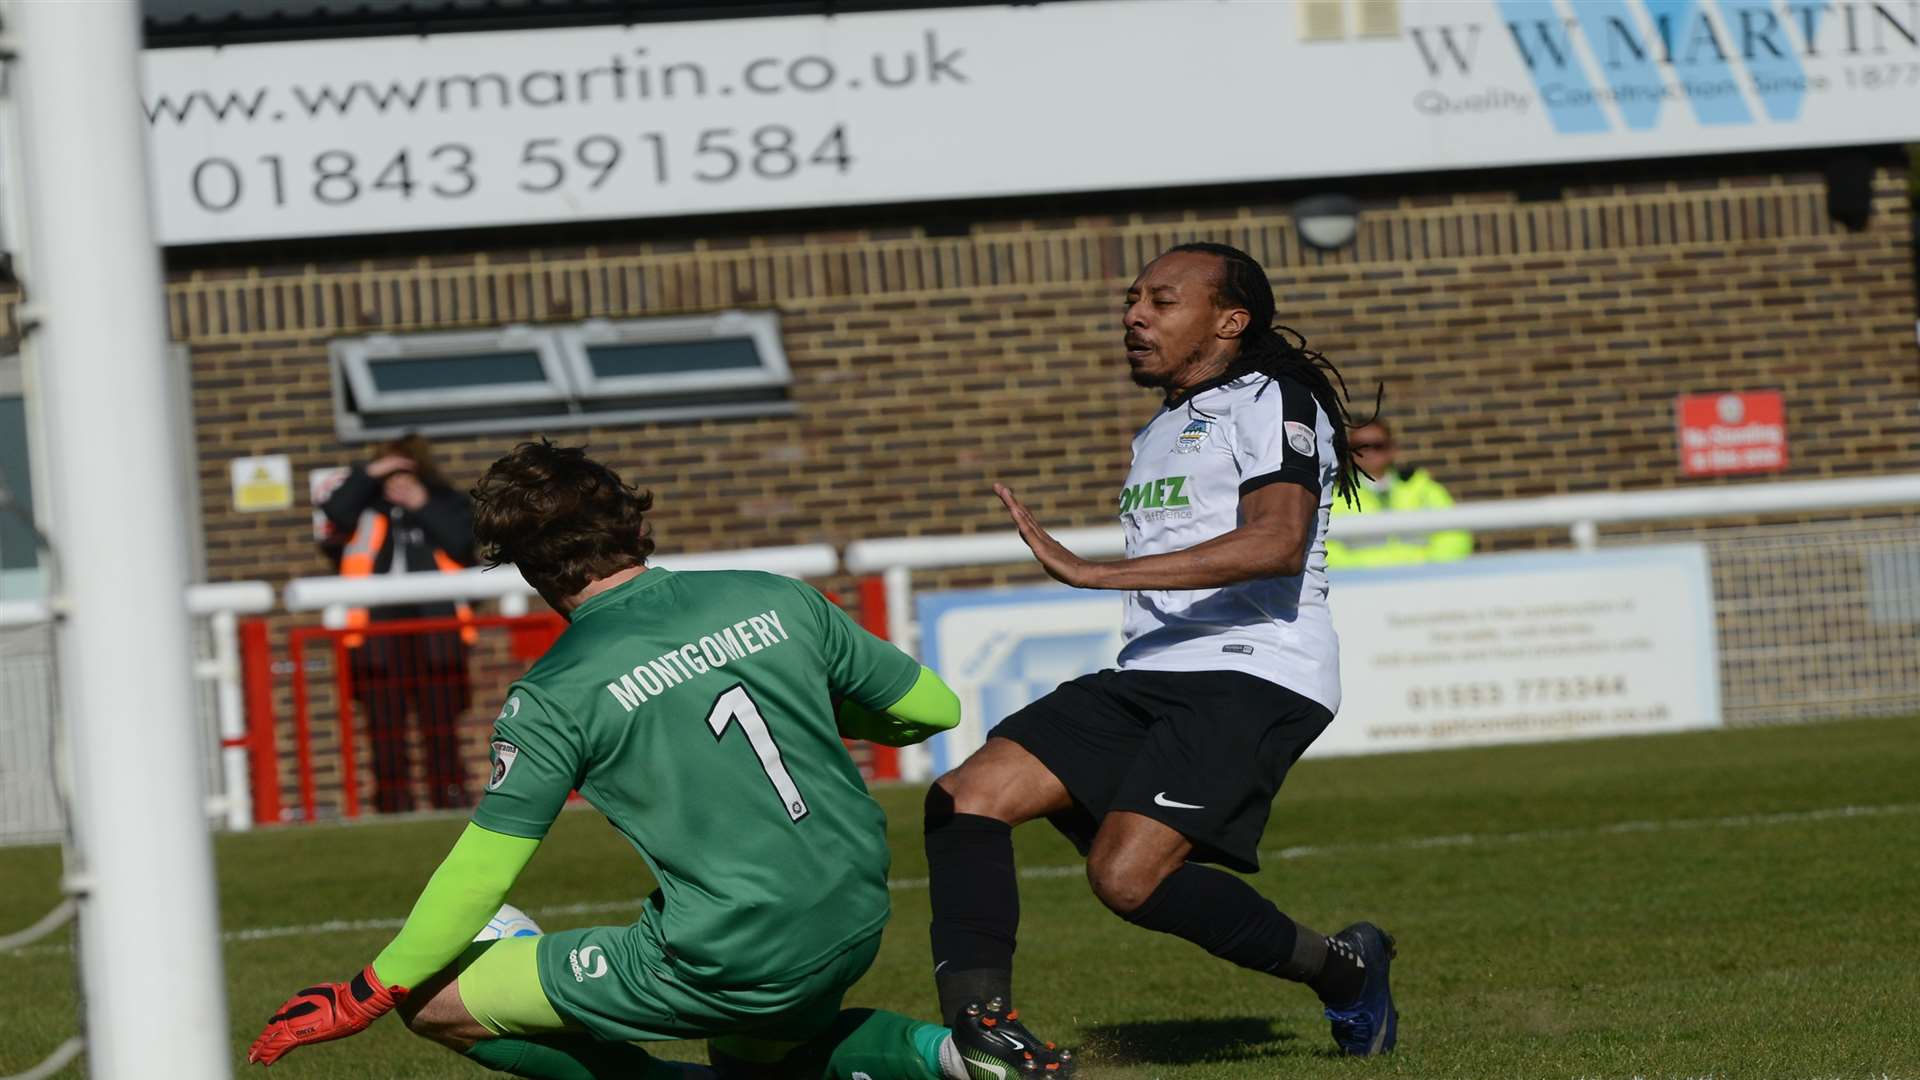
(1203, 752)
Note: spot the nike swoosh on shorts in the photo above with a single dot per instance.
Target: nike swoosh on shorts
(1162, 800)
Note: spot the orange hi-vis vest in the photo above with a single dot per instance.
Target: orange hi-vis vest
(356, 560)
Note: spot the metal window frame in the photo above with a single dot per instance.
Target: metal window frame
(761, 327)
(14, 382)
(355, 429)
(353, 359)
(570, 382)
(27, 582)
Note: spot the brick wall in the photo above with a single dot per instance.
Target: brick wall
(1526, 347)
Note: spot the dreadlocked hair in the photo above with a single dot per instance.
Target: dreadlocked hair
(1280, 352)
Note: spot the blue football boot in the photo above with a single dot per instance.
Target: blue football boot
(1370, 1025)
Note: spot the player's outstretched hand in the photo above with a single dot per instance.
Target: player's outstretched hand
(1055, 559)
(323, 1012)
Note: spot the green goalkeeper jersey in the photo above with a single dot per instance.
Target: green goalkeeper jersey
(696, 711)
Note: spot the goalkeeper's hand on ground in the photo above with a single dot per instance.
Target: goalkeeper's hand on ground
(323, 1012)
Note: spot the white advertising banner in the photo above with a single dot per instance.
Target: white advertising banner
(1523, 648)
(1493, 649)
(393, 134)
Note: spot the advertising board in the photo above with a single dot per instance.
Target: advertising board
(1494, 649)
(397, 134)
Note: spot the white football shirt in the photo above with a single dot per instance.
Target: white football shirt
(1191, 465)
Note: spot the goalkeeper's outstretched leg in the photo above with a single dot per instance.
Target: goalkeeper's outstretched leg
(491, 1006)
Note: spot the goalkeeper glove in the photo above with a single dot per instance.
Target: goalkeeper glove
(324, 1012)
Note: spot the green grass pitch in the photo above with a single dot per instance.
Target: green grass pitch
(1733, 904)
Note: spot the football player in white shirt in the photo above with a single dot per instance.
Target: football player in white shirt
(1230, 667)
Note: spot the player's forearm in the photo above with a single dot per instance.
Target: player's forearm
(1245, 554)
(926, 709)
(463, 894)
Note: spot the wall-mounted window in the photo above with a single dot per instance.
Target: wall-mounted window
(683, 367)
(20, 572)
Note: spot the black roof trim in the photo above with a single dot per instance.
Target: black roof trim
(181, 23)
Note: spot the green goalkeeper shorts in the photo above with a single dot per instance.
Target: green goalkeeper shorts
(615, 982)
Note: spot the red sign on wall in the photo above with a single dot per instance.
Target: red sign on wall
(1732, 433)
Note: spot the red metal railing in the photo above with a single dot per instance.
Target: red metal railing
(263, 747)
(873, 615)
(333, 693)
(398, 679)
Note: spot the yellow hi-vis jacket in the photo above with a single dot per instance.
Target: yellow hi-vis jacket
(1415, 490)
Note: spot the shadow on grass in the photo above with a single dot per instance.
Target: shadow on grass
(1186, 1042)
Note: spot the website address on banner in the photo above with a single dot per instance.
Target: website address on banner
(1563, 721)
(629, 78)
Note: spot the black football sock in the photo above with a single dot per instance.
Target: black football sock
(1225, 916)
(1221, 914)
(1341, 976)
(976, 905)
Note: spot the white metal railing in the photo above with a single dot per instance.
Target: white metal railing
(334, 595)
(229, 597)
(25, 612)
(216, 668)
(222, 605)
(895, 558)
(218, 608)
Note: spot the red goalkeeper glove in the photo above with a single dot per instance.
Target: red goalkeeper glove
(324, 1012)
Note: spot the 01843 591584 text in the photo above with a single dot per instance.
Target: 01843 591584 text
(546, 166)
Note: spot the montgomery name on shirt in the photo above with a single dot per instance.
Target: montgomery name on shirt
(651, 678)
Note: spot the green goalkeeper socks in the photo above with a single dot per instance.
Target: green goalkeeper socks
(862, 1042)
(577, 1057)
(874, 1043)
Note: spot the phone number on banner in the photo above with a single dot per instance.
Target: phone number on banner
(546, 166)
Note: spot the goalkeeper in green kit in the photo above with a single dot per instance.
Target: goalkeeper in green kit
(703, 714)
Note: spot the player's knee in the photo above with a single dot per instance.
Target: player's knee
(423, 1024)
(968, 789)
(1122, 884)
(939, 807)
(1002, 781)
(435, 1018)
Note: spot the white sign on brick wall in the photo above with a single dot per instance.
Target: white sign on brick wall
(1493, 649)
(1525, 648)
(459, 130)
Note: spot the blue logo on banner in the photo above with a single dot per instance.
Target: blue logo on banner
(1652, 55)
(1003, 649)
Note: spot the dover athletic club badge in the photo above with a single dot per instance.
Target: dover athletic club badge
(1193, 437)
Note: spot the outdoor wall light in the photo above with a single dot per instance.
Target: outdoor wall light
(1327, 222)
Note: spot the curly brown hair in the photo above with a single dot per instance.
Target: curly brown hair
(562, 518)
